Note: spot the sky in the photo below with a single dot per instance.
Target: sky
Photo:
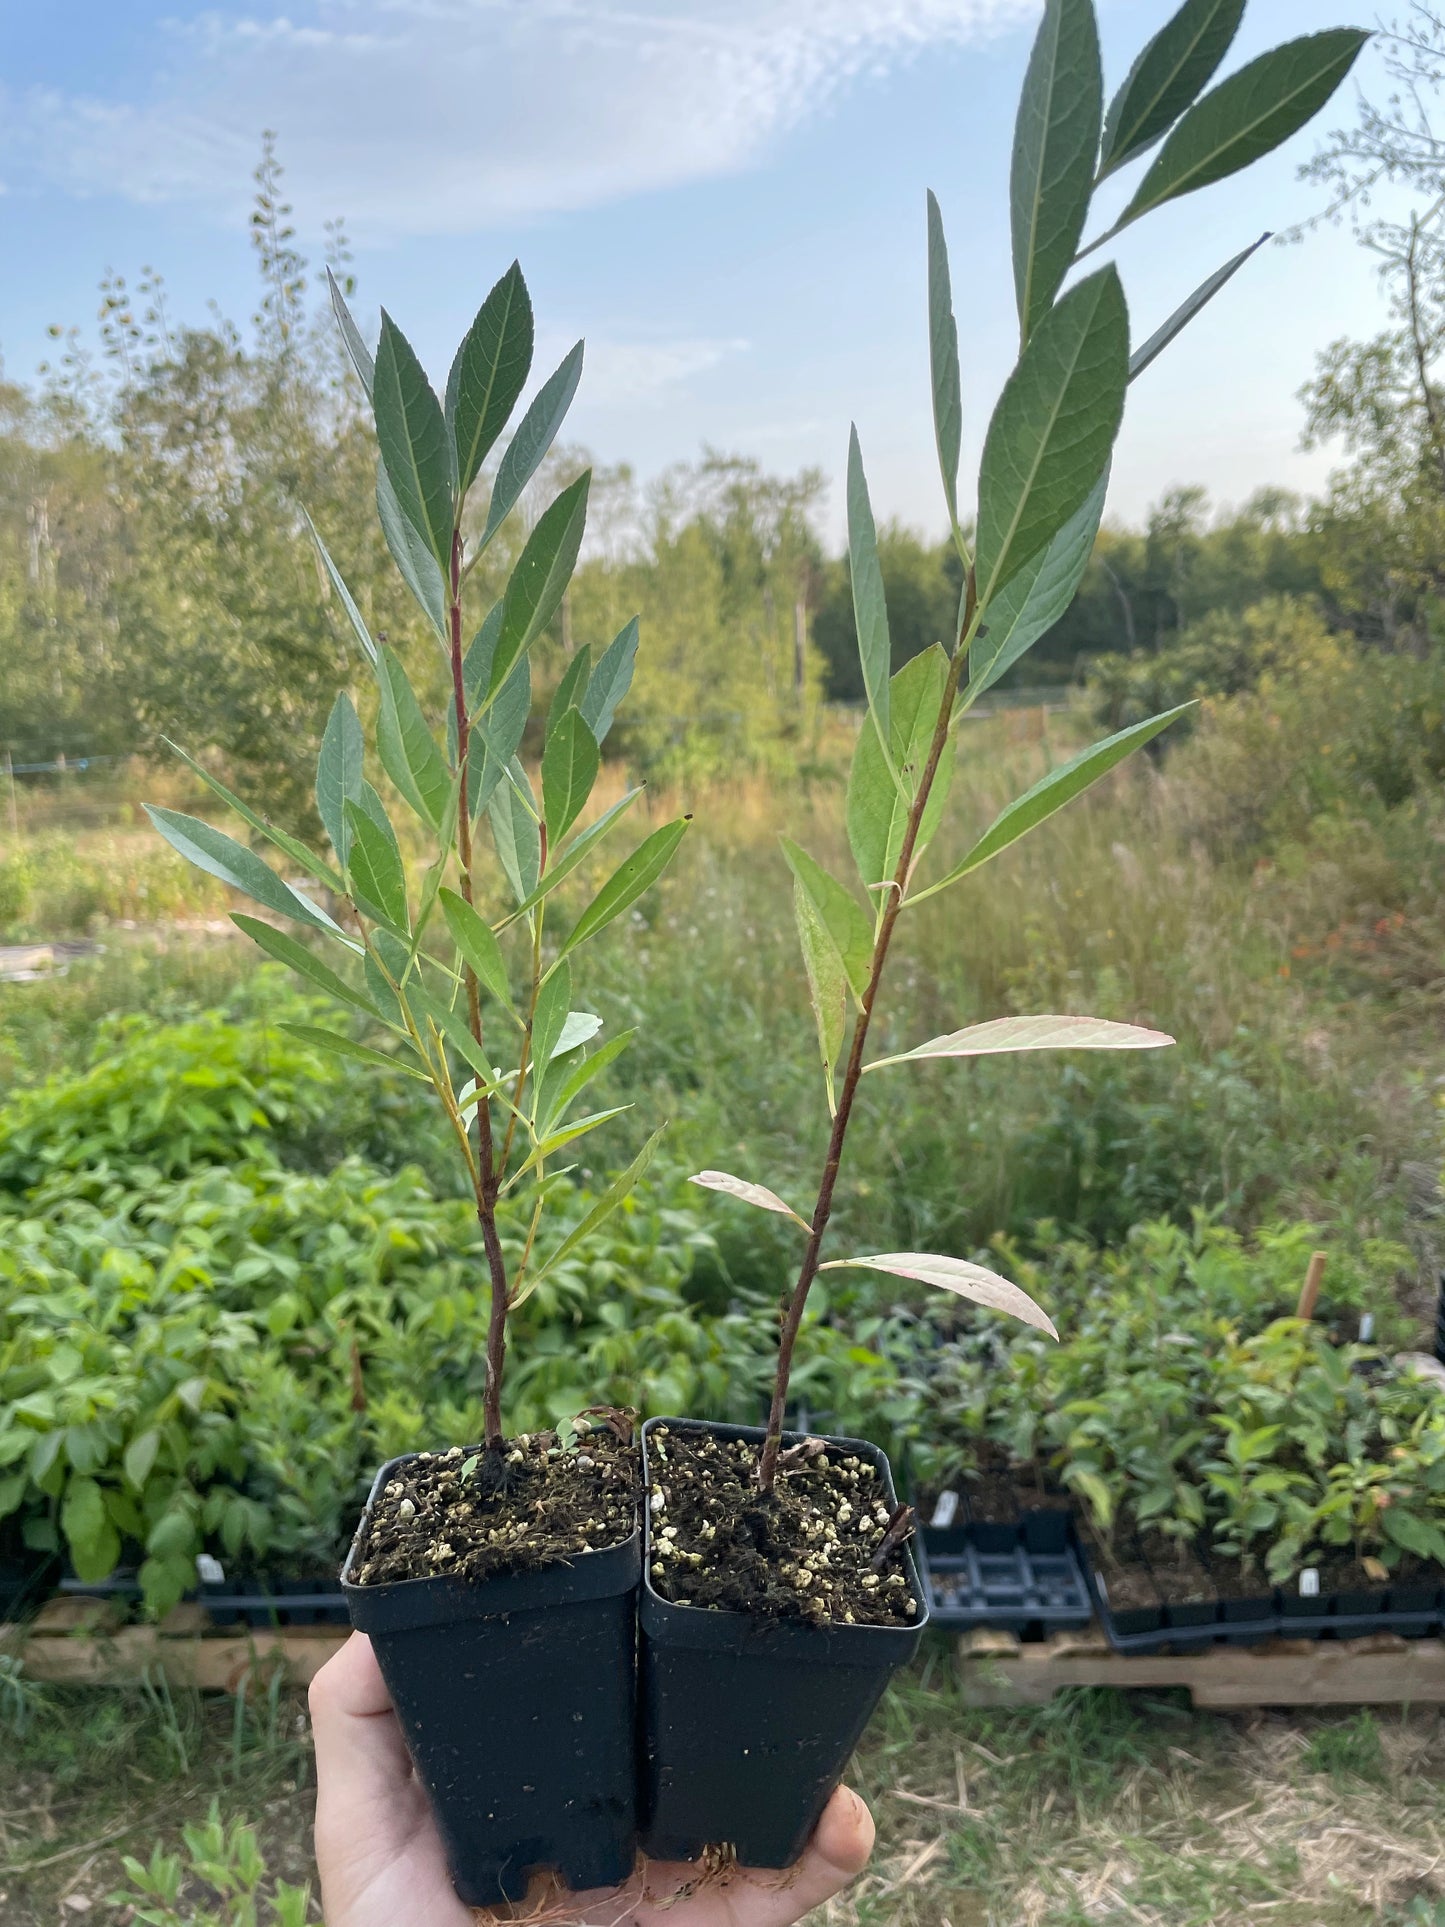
(725, 197)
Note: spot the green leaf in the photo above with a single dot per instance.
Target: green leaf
(610, 681)
(407, 748)
(451, 1024)
(496, 735)
(849, 931)
(539, 581)
(1031, 1033)
(1053, 429)
(282, 839)
(565, 1135)
(515, 832)
(473, 937)
(1170, 74)
(570, 763)
(943, 360)
(304, 962)
(568, 693)
(1060, 786)
(419, 567)
(140, 1456)
(878, 804)
(1056, 140)
(535, 434)
(957, 1275)
(1183, 315)
(1027, 607)
(343, 1046)
(628, 882)
(344, 595)
(553, 1002)
(339, 773)
(221, 856)
(827, 983)
(351, 335)
(620, 1188)
(1247, 116)
(411, 433)
(1413, 1534)
(870, 609)
(377, 874)
(563, 1082)
(489, 373)
(577, 850)
(93, 1540)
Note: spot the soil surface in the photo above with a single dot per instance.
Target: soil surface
(479, 1514)
(805, 1552)
(1182, 1579)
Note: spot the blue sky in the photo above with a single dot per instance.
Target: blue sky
(724, 196)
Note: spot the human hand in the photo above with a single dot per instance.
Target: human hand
(381, 1859)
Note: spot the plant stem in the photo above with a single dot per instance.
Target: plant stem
(486, 1179)
(848, 1089)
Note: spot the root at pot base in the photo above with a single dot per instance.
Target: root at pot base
(804, 1551)
(478, 1514)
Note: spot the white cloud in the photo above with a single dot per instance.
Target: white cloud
(444, 116)
(631, 374)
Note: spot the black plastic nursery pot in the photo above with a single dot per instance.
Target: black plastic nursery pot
(517, 1700)
(748, 1724)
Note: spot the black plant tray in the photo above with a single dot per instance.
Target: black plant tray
(1412, 1612)
(275, 1602)
(972, 1577)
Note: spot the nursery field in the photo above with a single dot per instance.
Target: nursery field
(228, 1265)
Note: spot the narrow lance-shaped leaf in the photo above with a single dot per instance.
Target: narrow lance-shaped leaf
(489, 373)
(221, 856)
(1053, 429)
(283, 840)
(515, 832)
(1049, 795)
(570, 763)
(539, 581)
(568, 693)
(406, 746)
(576, 852)
(419, 568)
(473, 937)
(342, 1046)
(957, 1275)
(1056, 140)
(757, 1194)
(1031, 1033)
(563, 1081)
(343, 594)
(849, 930)
(376, 869)
(870, 609)
(565, 1134)
(553, 1002)
(827, 984)
(628, 882)
(878, 805)
(352, 338)
(1247, 116)
(610, 680)
(496, 735)
(1028, 607)
(412, 436)
(943, 360)
(535, 434)
(339, 773)
(1150, 350)
(1172, 71)
(620, 1188)
(304, 962)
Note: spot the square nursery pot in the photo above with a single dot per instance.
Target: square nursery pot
(517, 1699)
(748, 1724)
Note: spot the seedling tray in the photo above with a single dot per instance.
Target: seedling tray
(276, 1602)
(971, 1582)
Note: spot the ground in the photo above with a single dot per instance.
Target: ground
(1102, 1808)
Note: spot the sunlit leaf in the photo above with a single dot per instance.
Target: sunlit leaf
(535, 434)
(415, 447)
(1056, 139)
(1032, 1033)
(539, 581)
(419, 568)
(957, 1275)
(757, 1194)
(489, 373)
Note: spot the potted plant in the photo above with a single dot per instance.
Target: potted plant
(497, 1578)
(779, 1591)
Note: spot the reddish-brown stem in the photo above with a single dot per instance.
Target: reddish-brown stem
(848, 1088)
(487, 1179)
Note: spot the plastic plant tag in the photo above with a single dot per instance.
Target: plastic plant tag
(945, 1510)
(209, 1570)
(1309, 1583)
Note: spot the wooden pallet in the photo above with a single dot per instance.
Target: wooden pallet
(83, 1642)
(998, 1670)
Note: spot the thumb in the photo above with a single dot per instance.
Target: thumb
(836, 1854)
